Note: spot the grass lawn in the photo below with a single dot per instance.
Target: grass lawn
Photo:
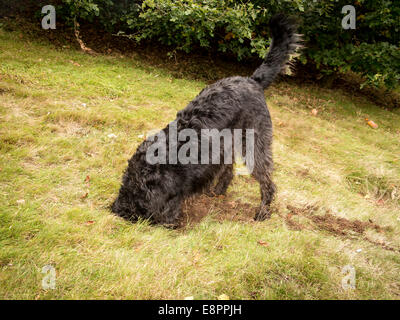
(68, 124)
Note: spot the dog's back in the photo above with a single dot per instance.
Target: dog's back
(224, 104)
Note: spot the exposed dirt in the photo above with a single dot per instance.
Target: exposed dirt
(381, 244)
(195, 209)
(307, 210)
(336, 226)
(341, 225)
(226, 208)
(293, 225)
(331, 223)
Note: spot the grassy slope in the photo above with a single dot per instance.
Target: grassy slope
(50, 142)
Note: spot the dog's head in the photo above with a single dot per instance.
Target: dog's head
(142, 192)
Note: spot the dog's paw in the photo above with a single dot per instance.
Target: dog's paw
(172, 226)
(262, 215)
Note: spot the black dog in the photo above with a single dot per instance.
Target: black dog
(156, 191)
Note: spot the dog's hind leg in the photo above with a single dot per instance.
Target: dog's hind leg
(268, 189)
(262, 173)
(224, 180)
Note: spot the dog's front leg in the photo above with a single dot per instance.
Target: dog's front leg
(224, 180)
(171, 214)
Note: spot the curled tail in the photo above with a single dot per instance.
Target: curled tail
(285, 41)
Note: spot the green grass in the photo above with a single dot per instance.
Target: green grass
(57, 110)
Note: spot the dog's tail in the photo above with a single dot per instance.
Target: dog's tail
(285, 41)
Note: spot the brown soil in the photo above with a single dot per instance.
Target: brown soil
(336, 226)
(293, 225)
(382, 244)
(331, 223)
(225, 208)
(195, 209)
(341, 225)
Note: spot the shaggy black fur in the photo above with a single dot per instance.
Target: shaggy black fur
(156, 191)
